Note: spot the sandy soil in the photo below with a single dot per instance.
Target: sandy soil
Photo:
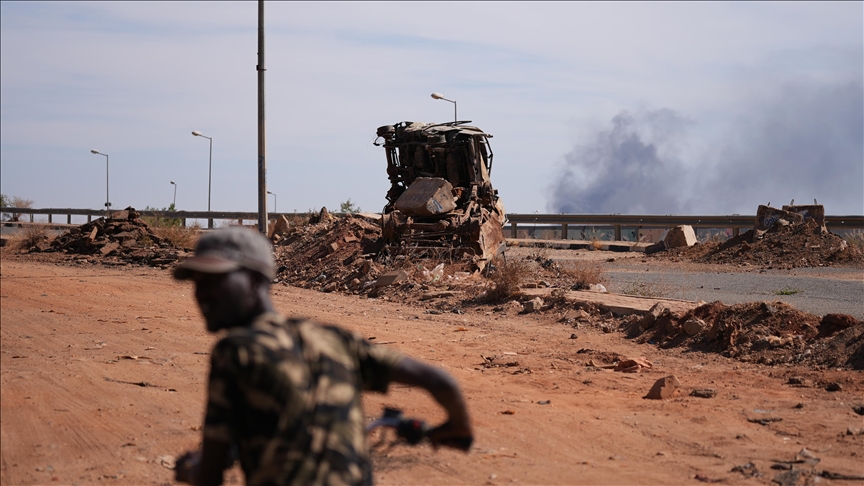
(103, 373)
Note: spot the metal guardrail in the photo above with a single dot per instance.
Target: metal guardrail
(181, 215)
(616, 221)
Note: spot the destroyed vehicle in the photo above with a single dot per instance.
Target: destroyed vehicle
(441, 201)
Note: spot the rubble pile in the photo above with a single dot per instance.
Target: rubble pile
(760, 332)
(333, 254)
(782, 246)
(123, 238)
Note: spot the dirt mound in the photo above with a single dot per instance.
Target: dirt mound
(122, 239)
(782, 246)
(765, 333)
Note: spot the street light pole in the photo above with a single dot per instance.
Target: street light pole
(262, 139)
(209, 174)
(174, 204)
(439, 96)
(107, 199)
(274, 200)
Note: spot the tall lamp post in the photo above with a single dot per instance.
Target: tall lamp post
(209, 174)
(439, 96)
(174, 204)
(107, 199)
(274, 200)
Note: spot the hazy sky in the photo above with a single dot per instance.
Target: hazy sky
(658, 108)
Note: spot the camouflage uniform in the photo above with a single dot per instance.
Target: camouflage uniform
(287, 394)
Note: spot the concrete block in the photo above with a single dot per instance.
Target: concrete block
(680, 236)
(427, 196)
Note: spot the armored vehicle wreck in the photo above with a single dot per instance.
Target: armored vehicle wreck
(441, 201)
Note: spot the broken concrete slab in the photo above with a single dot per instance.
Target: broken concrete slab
(391, 278)
(680, 236)
(616, 303)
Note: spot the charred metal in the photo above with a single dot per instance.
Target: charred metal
(441, 195)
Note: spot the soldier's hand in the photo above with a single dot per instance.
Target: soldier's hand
(186, 467)
(449, 434)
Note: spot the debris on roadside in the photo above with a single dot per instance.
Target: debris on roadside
(121, 239)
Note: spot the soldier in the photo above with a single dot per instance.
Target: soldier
(284, 394)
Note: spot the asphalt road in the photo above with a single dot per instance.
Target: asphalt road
(816, 290)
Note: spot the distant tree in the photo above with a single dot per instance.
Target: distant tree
(13, 202)
(348, 207)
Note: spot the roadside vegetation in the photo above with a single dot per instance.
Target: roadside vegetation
(13, 202)
(172, 229)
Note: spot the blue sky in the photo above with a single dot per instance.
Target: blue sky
(599, 107)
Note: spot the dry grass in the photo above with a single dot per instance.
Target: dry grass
(506, 277)
(855, 238)
(31, 235)
(581, 276)
(178, 235)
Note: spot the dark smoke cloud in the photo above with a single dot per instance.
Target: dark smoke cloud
(630, 168)
(804, 142)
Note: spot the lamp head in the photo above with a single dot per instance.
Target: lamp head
(95, 152)
(172, 182)
(196, 133)
(268, 192)
(438, 96)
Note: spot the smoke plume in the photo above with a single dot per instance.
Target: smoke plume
(804, 142)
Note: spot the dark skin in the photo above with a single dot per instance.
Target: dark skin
(236, 299)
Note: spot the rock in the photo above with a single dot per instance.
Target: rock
(534, 305)
(656, 247)
(92, 236)
(859, 409)
(279, 227)
(366, 267)
(833, 387)
(680, 236)
(121, 215)
(648, 320)
(332, 247)
(330, 287)
(513, 307)
(663, 388)
(109, 247)
(391, 278)
(694, 326)
(832, 323)
(797, 381)
(704, 393)
(354, 283)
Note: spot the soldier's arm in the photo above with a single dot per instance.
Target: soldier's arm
(445, 391)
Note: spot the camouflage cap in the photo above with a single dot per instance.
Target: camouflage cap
(226, 250)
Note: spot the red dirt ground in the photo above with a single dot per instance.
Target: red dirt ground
(103, 373)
